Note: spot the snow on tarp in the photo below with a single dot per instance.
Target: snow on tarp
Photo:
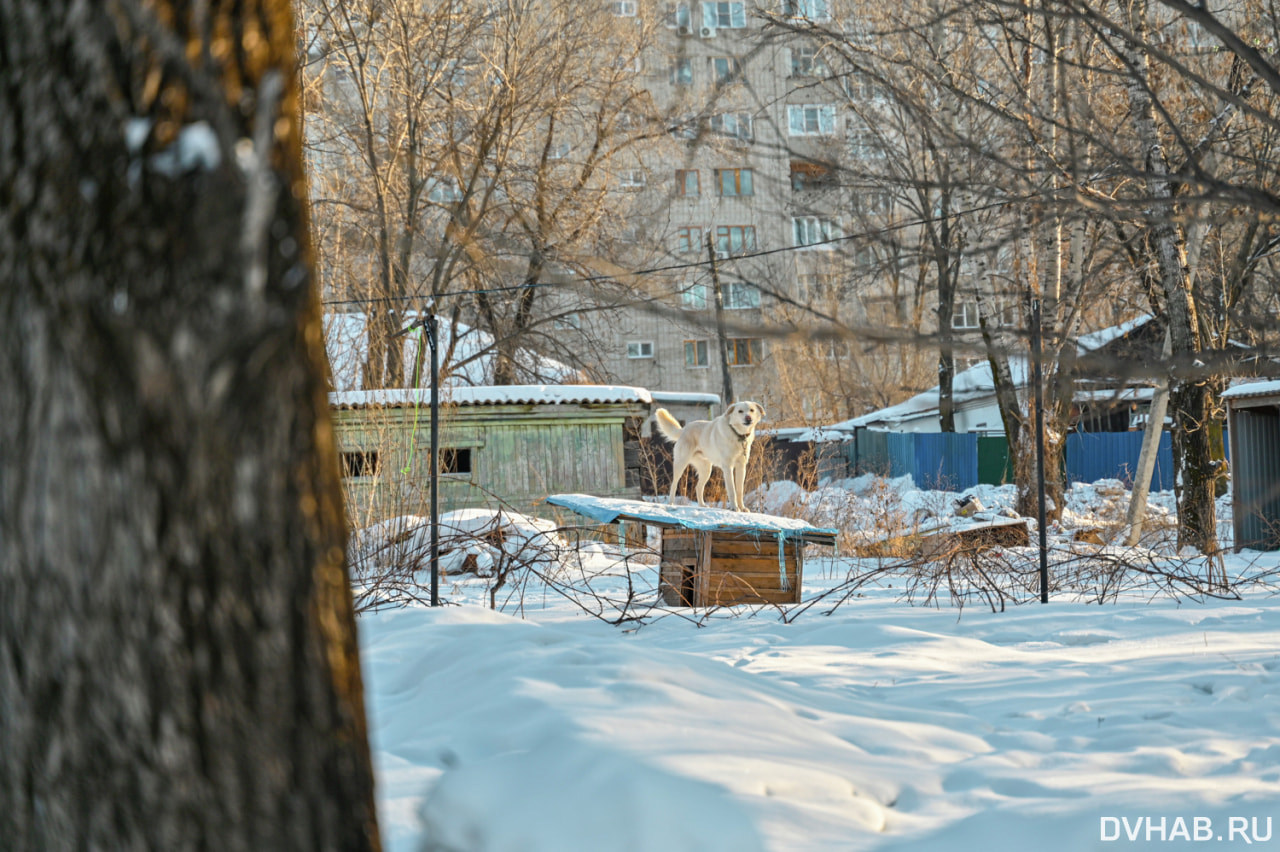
(606, 510)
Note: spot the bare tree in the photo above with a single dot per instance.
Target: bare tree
(477, 151)
(178, 654)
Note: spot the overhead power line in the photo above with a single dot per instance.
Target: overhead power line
(678, 267)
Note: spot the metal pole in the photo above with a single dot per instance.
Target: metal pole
(721, 340)
(1037, 378)
(432, 334)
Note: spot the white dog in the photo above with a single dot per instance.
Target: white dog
(724, 442)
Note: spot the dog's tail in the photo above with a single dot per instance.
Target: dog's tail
(667, 425)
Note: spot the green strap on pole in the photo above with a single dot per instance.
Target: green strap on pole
(782, 561)
(413, 435)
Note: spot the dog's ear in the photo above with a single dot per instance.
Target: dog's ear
(760, 408)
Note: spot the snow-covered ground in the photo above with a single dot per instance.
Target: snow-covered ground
(877, 725)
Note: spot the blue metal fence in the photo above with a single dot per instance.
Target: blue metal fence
(946, 461)
(949, 461)
(1114, 455)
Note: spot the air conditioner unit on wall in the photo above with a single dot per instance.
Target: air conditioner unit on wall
(684, 31)
(708, 32)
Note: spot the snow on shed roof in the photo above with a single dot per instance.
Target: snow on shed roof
(606, 510)
(1248, 389)
(976, 382)
(1097, 339)
(514, 395)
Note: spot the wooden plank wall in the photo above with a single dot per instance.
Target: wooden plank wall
(731, 568)
(519, 455)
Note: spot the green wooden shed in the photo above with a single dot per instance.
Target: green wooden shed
(508, 445)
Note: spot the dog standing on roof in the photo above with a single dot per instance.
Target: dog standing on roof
(724, 442)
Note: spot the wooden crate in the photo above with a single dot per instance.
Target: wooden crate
(714, 568)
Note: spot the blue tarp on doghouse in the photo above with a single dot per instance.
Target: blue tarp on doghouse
(606, 510)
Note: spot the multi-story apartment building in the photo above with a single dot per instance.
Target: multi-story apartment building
(741, 230)
(748, 198)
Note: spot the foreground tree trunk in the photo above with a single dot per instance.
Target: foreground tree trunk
(178, 662)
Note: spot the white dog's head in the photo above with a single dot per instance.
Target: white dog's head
(744, 416)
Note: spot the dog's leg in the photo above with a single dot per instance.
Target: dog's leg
(677, 471)
(703, 467)
(679, 461)
(732, 486)
(740, 491)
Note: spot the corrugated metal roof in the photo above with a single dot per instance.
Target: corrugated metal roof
(1250, 389)
(513, 395)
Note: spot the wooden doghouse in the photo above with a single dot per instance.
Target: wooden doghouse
(715, 557)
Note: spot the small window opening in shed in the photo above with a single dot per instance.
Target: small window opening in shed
(688, 573)
(360, 463)
(455, 460)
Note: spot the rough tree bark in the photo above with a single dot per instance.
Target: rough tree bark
(178, 661)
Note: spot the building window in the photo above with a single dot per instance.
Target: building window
(872, 201)
(678, 17)
(685, 128)
(862, 88)
(724, 16)
(455, 461)
(1010, 314)
(623, 8)
(814, 231)
(735, 125)
(688, 183)
(964, 315)
(733, 182)
(741, 296)
(735, 239)
(806, 61)
(806, 175)
(568, 322)
(628, 63)
(724, 69)
(681, 71)
(695, 353)
(864, 145)
(357, 463)
(631, 179)
(814, 10)
(640, 349)
(743, 351)
(688, 239)
(444, 190)
(694, 297)
(815, 286)
(811, 119)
